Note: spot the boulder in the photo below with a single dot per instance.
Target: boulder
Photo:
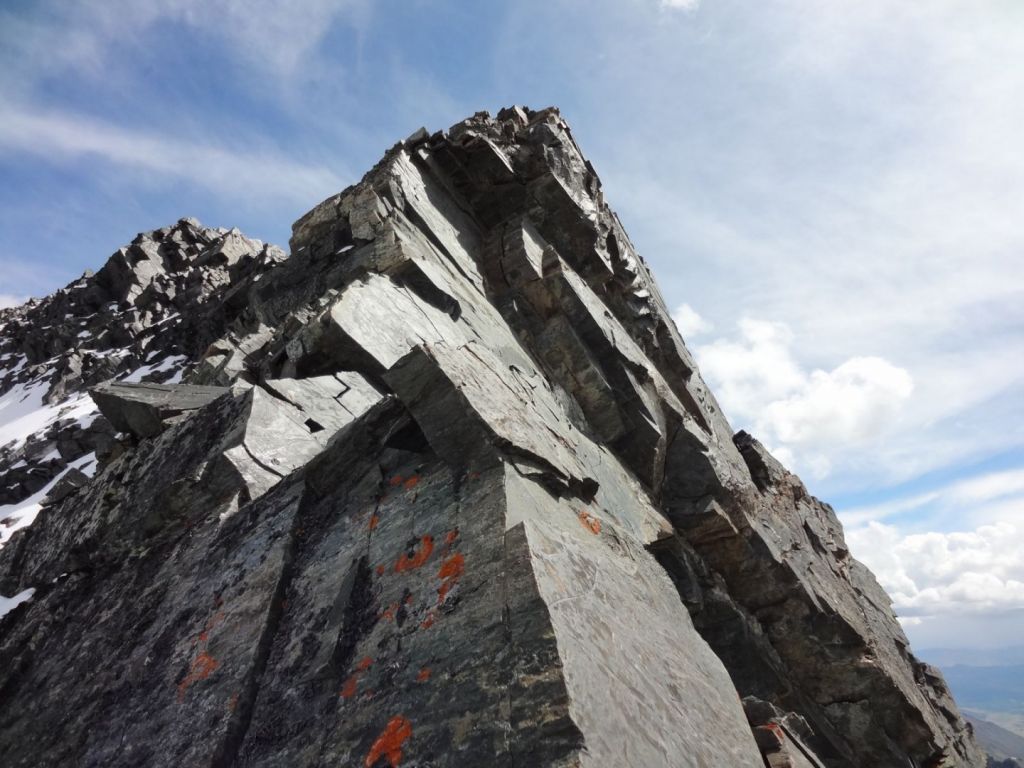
(145, 409)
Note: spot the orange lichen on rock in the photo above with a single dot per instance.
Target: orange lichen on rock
(428, 622)
(412, 482)
(348, 690)
(395, 481)
(424, 675)
(374, 521)
(380, 570)
(365, 664)
(449, 573)
(451, 536)
(453, 567)
(419, 556)
(212, 622)
(389, 743)
(591, 522)
(388, 614)
(233, 702)
(202, 667)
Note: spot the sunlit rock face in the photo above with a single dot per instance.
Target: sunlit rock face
(442, 487)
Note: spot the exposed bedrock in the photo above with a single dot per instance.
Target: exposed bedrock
(449, 489)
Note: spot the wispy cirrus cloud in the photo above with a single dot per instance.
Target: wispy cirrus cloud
(684, 5)
(271, 37)
(247, 175)
(982, 499)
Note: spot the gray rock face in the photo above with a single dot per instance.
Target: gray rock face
(146, 316)
(144, 409)
(452, 492)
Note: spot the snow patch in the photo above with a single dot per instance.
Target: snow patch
(14, 517)
(24, 412)
(8, 604)
(167, 364)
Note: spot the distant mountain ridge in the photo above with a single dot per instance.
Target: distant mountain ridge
(988, 688)
(974, 657)
(998, 743)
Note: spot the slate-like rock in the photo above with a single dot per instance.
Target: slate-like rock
(463, 499)
(144, 409)
(147, 316)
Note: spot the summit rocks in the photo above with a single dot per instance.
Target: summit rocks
(442, 487)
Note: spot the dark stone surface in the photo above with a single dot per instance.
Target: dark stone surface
(143, 409)
(467, 502)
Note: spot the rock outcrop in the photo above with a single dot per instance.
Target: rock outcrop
(443, 487)
(147, 316)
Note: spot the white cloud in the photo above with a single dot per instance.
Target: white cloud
(685, 5)
(803, 415)
(250, 175)
(753, 370)
(981, 500)
(690, 323)
(994, 485)
(273, 37)
(853, 172)
(10, 300)
(854, 402)
(930, 575)
(961, 587)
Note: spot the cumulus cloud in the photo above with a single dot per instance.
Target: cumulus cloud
(854, 401)
(689, 322)
(685, 5)
(799, 412)
(10, 300)
(962, 586)
(930, 575)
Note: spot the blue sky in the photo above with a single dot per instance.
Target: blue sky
(831, 195)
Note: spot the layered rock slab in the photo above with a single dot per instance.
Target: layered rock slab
(531, 467)
(143, 409)
(375, 585)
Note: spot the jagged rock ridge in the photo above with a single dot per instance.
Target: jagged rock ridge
(447, 488)
(147, 315)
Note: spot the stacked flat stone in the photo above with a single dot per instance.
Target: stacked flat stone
(453, 492)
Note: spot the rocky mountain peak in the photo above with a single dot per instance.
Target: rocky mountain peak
(443, 487)
(146, 315)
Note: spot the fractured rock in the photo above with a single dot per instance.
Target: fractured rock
(450, 491)
(144, 409)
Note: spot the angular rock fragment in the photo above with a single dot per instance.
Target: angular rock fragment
(286, 422)
(780, 736)
(144, 409)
